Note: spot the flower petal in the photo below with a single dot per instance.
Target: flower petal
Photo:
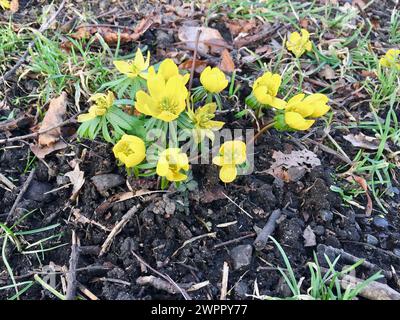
(123, 66)
(297, 122)
(228, 173)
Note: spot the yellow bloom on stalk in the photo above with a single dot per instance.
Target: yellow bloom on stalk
(231, 153)
(298, 44)
(167, 99)
(130, 150)
(102, 102)
(171, 163)
(391, 59)
(167, 70)
(5, 4)
(203, 123)
(265, 89)
(213, 80)
(136, 67)
(299, 110)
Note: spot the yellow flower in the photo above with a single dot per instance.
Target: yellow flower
(130, 150)
(102, 102)
(167, 70)
(5, 4)
(170, 164)
(299, 109)
(134, 68)
(203, 123)
(298, 44)
(265, 89)
(391, 59)
(213, 80)
(167, 99)
(231, 153)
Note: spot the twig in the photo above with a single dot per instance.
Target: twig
(86, 291)
(157, 283)
(21, 60)
(224, 283)
(249, 235)
(34, 134)
(262, 130)
(117, 229)
(20, 195)
(241, 209)
(211, 234)
(264, 34)
(268, 229)
(164, 276)
(194, 58)
(73, 262)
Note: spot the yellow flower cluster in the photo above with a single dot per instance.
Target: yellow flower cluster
(5, 4)
(391, 59)
(298, 44)
(136, 67)
(231, 154)
(102, 102)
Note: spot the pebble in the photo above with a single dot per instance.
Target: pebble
(326, 215)
(241, 255)
(372, 240)
(319, 230)
(380, 222)
(36, 191)
(396, 252)
(103, 182)
(241, 289)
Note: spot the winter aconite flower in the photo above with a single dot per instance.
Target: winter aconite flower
(391, 59)
(203, 123)
(102, 102)
(171, 163)
(168, 69)
(265, 89)
(5, 4)
(300, 110)
(136, 67)
(231, 153)
(130, 150)
(166, 99)
(213, 80)
(298, 44)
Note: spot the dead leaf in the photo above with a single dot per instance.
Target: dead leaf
(292, 167)
(367, 73)
(240, 26)
(309, 237)
(362, 141)
(14, 6)
(226, 64)
(210, 40)
(54, 116)
(42, 152)
(363, 183)
(199, 65)
(328, 73)
(77, 179)
(360, 3)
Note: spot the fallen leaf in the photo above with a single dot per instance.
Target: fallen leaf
(309, 237)
(77, 178)
(199, 65)
(359, 3)
(54, 116)
(328, 73)
(14, 6)
(226, 64)
(240, 26)
(362, 141)
(42, 152)
(363, 183)
(292, 167)
(210, 40)
(367, 73)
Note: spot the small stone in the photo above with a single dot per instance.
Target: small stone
(103, 182)
(326, 215)
(380, 222)
(37, 191)
(241, 255)
(62, 180)
(241, 289)
(319, 230)
(372, 240)
(396, 252)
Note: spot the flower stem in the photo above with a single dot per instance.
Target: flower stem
(269, 125)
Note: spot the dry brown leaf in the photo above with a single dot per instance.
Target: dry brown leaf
(42, 152)
(292, 166)
(77, 178)
(328, 73)
(360, 3)
(210, 40)
(14, 6)
(240, 26)
(363, 183)
(309, 237)
(226, 64)
(199, 65)
(54, 116)
(362, 141)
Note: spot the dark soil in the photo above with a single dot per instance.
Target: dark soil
(166, 220)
